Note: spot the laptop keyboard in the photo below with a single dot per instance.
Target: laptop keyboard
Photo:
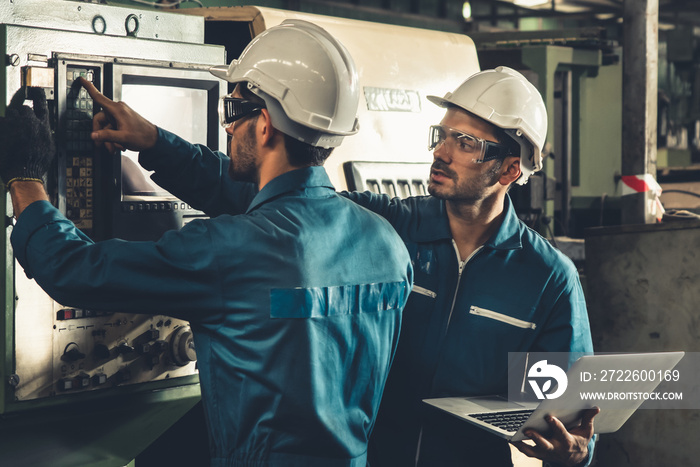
(508, 421)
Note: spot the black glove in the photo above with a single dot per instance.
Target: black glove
(26, 144)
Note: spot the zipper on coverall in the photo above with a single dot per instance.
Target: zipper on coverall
(461, 265)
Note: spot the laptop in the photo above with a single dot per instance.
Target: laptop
(603, 373)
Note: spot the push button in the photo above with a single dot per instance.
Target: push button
(66, 313)
(99, 379)
(65, 384)
(82, 381)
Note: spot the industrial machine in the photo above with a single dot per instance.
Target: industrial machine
(398, 67)
(89, 388)
(79, 386)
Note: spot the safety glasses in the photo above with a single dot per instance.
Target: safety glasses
(235, 108)
(477, 149)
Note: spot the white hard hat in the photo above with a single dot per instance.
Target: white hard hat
(506, 99)
(307, 79)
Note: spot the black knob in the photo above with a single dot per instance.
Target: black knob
(72, 355)
(101, 352)
(125, 349)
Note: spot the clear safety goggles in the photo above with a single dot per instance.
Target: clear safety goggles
(477, 149)
(235, 108)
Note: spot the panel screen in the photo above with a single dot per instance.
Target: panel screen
(189, 121)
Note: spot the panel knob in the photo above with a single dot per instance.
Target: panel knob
(101, 352)
(125, 348)
(72, 354)
(182, 346)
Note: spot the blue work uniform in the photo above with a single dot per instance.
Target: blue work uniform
(516, 293)
(295, 306)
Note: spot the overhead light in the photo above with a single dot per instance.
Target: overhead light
(467, 11)
(605, 16)
(530, 3)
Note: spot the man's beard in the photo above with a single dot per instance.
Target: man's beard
(469, 190)
(243, 167)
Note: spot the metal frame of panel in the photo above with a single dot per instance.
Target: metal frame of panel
(36, 47)
(106, 427)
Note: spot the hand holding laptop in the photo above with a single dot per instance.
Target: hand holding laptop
(590, 374)
(562, 446)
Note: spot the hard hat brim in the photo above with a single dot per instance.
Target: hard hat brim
(220, 71)
(440, 101)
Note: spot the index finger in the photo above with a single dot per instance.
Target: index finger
(96, 95)
(38, 97)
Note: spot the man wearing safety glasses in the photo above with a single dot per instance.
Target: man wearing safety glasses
(484, 284)
(295, 319)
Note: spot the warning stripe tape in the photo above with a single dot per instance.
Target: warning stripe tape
(632, 184)
(639, 184)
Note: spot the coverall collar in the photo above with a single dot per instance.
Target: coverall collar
(299, 179)
(506, 238)
(509, 233)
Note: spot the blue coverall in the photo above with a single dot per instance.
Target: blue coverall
(526, 295)
(515, 294)
(295, 304)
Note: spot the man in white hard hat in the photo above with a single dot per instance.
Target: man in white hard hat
(485, 284)
(295, 308)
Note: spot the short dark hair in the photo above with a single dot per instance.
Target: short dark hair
(304, 154)
(505, 139)
(299, 153)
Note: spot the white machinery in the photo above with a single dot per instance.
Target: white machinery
(83, 387)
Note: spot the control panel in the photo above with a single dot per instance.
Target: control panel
(79, 166)
(86, 386)
(74, 350)
(62, 350)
